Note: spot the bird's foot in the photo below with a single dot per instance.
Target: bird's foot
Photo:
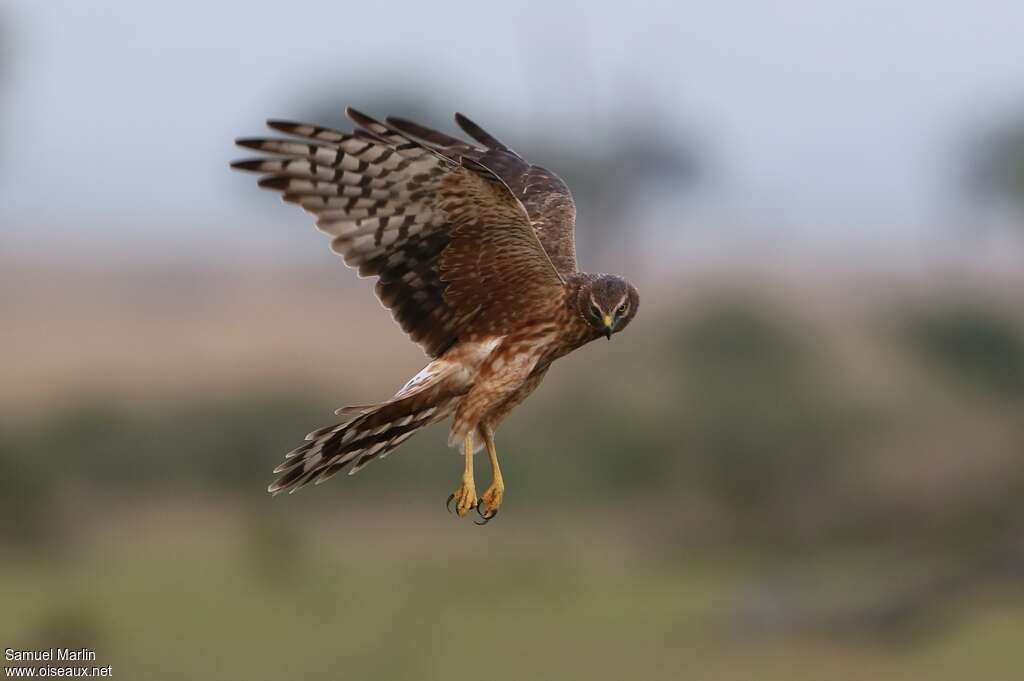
(491, 499)
(464, 498)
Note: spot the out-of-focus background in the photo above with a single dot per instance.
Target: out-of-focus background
(804, 460)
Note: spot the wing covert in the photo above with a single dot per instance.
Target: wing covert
(544, 195)
(445, 241)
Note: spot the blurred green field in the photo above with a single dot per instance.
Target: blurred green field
(177, 596)
(759, 481)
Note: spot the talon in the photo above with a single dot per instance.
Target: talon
(448, 504)
(487, 517)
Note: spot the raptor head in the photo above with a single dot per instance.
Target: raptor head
(608, 303)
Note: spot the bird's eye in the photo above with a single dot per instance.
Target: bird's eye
(622, 309)
(596, 310)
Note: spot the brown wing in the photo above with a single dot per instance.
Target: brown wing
(544, 195)
(394, 208)
(495, 262)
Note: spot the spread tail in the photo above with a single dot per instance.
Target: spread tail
(373, 431)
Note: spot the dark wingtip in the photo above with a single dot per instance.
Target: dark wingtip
(278, 182)
(478, 133)
(250, 143)
(358, 117)
(282, 125)
(250, 164)
(366, 123)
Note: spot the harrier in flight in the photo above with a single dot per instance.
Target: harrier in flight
(473, 251)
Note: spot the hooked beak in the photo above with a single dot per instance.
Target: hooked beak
(609, 326)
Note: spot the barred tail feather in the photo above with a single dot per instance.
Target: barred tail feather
(372, 434)
(372, 430)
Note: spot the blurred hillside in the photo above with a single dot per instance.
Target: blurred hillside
(769, 463)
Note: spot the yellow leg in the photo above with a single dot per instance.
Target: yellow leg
(465, 495)
(495, 494)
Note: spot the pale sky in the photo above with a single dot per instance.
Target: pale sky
(827, 119)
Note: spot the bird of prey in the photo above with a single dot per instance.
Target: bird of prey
(474, 254)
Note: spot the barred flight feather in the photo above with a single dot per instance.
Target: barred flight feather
(469, 243)
(375, 191)
(315, 132)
